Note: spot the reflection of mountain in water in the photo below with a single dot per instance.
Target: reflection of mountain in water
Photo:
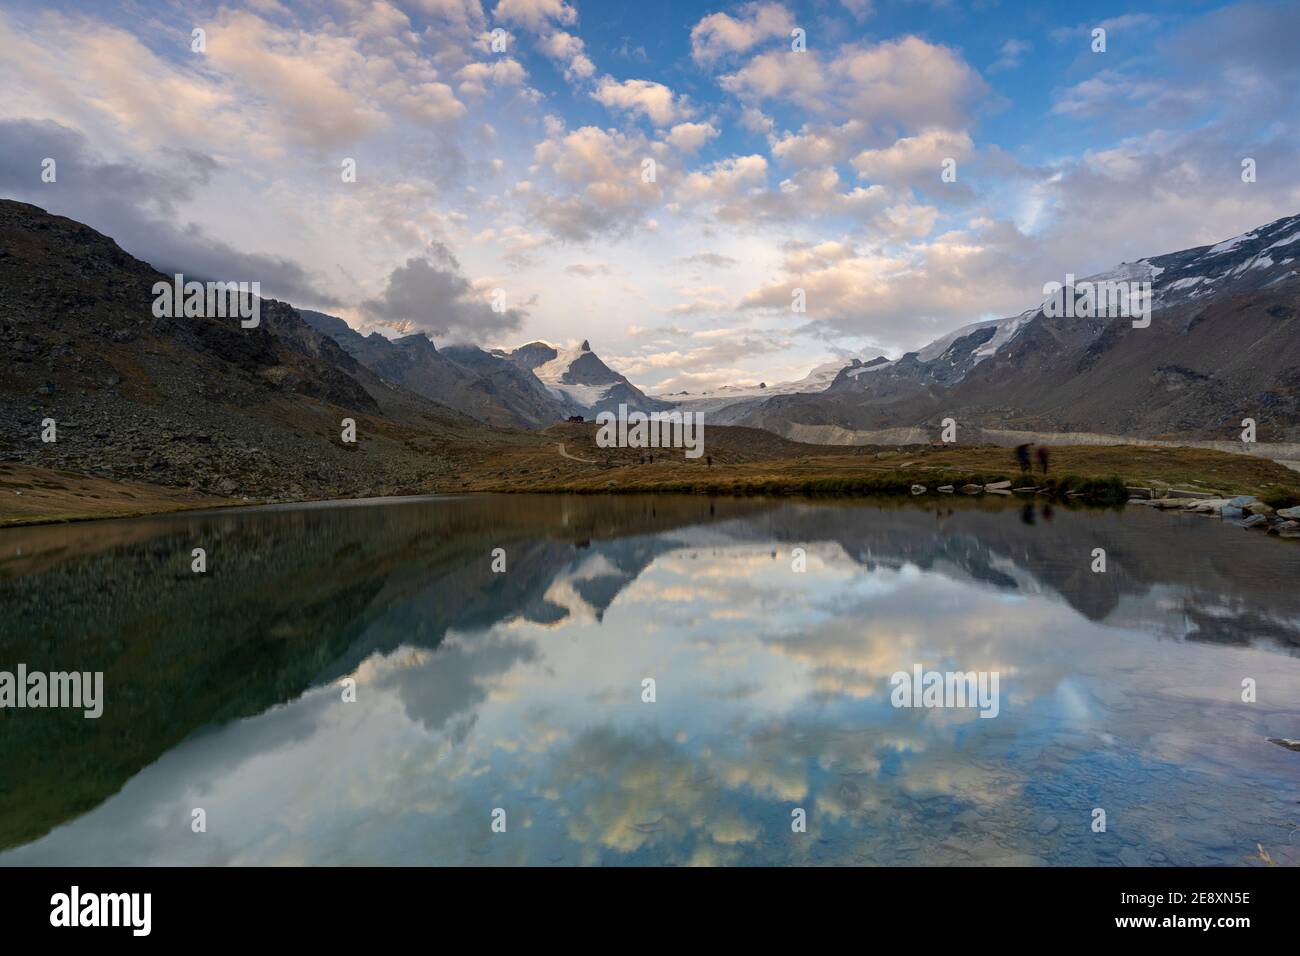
(1182, 575)
(295, 598)
(292, 598)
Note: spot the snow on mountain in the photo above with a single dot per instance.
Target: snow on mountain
(1220, 338)
(945, 360)
(815, 381)
(559, 377)
(877, 364)
(1251, 261)
(727, 403)
(1287, 241)
(577, 377)
(1241, 263)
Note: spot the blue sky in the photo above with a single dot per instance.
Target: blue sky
(521, 172)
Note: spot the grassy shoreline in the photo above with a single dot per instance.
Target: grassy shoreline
(771, 465)
(566, 460)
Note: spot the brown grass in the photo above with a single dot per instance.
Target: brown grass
(745, 461)
(749, 460)
(49, 495)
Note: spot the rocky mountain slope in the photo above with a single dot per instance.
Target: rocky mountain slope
(483, 386)
(193, 402)
(532, 386)
(1223, 345)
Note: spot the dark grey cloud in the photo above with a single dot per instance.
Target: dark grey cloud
(138, 207)
(573, 219)
(429, 294)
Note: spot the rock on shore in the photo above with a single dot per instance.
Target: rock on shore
(1244, 510)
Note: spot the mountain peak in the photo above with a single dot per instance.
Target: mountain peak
(586, 346)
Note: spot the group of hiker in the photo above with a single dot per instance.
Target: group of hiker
(1022, 456)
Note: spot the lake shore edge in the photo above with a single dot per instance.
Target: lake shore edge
(1107, 475)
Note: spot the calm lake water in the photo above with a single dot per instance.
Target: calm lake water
(523, 690)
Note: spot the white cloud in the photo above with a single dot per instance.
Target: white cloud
(907, 84)
(819, 146)
(431, 103)
(474, 77)
(688, 137)
(755, 121)
(913, 159)
(652, 100)
(901, 299)
(601, 187)
(318, 84)
(724, 179)
(536, 16)
(910, 83)
(803, 197)
(720, 34)
(464, 16)
(795, 77)
(569, 50)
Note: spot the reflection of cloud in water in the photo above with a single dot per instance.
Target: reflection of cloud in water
(772, 693)
(436, 692)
